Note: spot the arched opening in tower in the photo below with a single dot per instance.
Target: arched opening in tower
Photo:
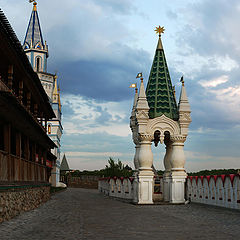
(38, 64)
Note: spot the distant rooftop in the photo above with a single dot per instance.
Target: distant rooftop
(64, 164)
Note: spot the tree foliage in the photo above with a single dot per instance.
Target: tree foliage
(112, 169)
(117, 169)
(213, 172)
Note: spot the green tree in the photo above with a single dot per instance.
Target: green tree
(213, 172)
(116, 169)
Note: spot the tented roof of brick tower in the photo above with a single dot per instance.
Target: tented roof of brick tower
(64, 164)
(160, 92)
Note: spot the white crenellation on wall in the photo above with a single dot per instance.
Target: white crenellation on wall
(124, 188)
(220, 190)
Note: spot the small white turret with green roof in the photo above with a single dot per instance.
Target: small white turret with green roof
(157, 118)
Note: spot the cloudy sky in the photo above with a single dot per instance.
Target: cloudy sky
(98, 46)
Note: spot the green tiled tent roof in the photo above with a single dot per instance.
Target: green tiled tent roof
(160, 93)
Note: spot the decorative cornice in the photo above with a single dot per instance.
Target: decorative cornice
(178, 138)
(143, 137)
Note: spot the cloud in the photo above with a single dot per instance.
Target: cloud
(191, 63)
(103, 80)
(89, 44)
(88, 116)
(171, 14)
(92, 150)
(97, 47)
(214, 82)
(93, 154)
(209, 32)
(122, 7)
(198, 161)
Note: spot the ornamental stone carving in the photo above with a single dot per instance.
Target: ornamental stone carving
(163, 124)
(185, 117)
(142, 115)
(178, 138)
(145, 137)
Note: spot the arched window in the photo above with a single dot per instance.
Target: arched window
(49, 129)
(38, 63)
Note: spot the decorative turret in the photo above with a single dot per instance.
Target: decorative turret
(56, 95)
(184, 110)
(56, 102)
(142, 108)
(133, 126)
(158, 119)
(34, 46)
(133, 114)
(160, 93)
(135, 100)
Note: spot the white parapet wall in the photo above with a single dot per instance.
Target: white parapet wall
(117, 187)
(124, 188)
(218, 190)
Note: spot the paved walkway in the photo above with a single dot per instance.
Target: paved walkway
(86, 214)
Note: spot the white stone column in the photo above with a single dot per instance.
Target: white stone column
(167, 172)
(54, 176)
(136, 157)
(178, 174)
(137, 147)
(144, 178)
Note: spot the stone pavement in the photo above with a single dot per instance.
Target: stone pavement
(85, 214)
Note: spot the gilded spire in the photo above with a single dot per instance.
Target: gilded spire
(55, 90)
(56, 94)
(159, 30)
(182, 80)
(35, 6)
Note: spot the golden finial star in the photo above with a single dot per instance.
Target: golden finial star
(159, 30)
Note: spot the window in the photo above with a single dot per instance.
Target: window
(49, 129)
(38, 64)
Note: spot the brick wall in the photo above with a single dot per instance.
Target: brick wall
(83, 182)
